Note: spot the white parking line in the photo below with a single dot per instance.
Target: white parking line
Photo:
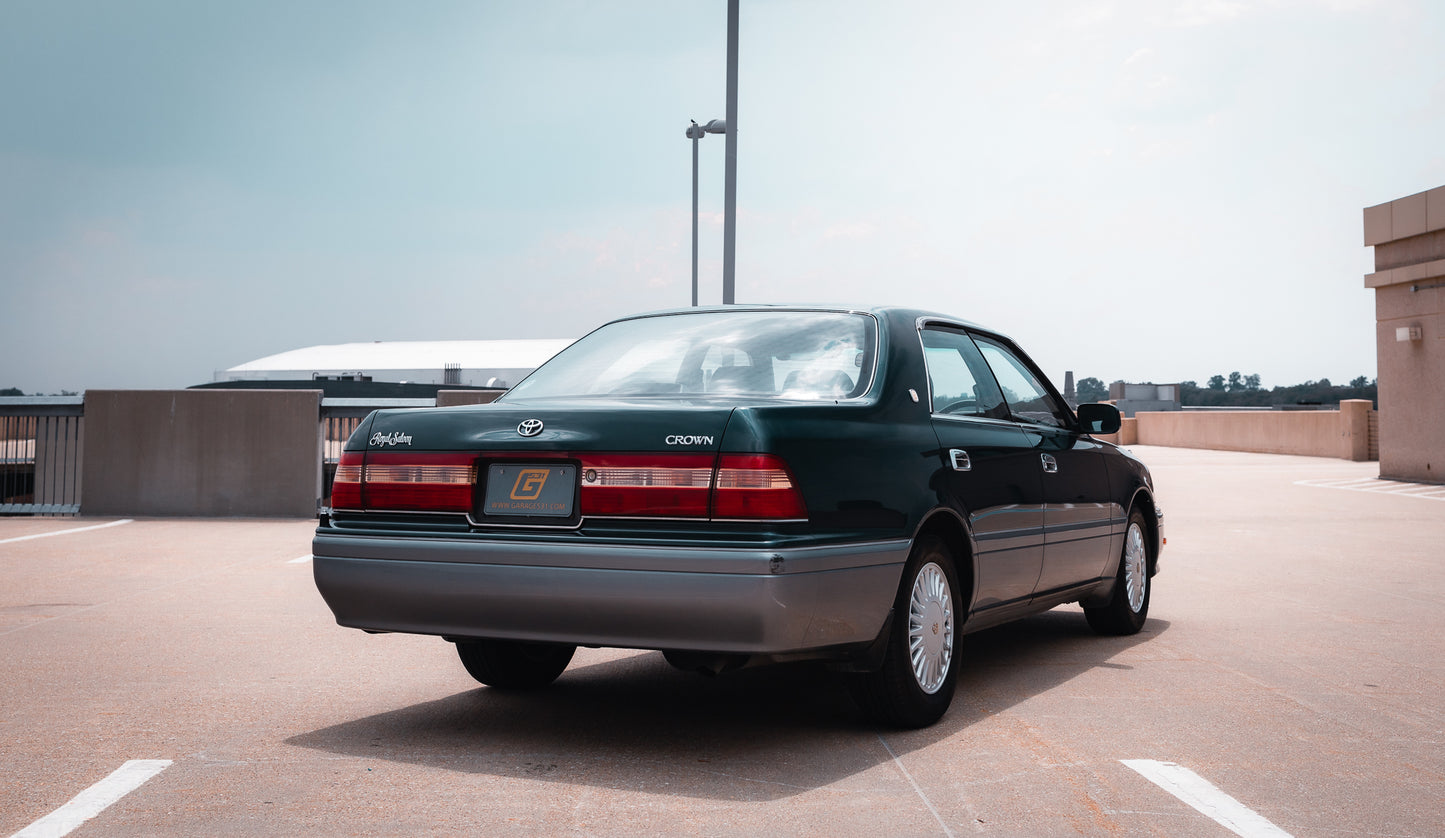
(1378, 486)
(95, 799)
(66, 532)
(1206, 798)
(926, 802)
(1361, 483)
(300, 559)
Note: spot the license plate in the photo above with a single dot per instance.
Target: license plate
(530, 491)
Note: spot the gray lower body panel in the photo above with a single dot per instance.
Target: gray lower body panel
(731, 600)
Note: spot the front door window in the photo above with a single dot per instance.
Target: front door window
(1028, 399)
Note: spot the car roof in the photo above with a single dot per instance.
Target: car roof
(883, 312)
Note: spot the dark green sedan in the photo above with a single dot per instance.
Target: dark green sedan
(746, 485)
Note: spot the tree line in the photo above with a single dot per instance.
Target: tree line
(1236, 390)
(16, 391)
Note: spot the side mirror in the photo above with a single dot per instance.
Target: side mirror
(1099, 418)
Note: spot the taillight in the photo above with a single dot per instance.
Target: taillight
(346, 485)
(730, 487)
(659, 485)
(418, 481)
(756, 486)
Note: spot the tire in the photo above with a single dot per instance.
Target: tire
(1128, 608)
(514, 664)
(909, 691)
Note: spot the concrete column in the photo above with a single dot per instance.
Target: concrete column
(1129, 432)
(1408, 235)
(1355, 429)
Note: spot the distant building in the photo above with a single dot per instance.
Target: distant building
(457, 363)
(1134, 398)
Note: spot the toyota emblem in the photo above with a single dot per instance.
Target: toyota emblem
(530, 427)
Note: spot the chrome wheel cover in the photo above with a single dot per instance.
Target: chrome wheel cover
(1136, 567)
(930, 628)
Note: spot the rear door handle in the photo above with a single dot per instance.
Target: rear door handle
(1051, 466)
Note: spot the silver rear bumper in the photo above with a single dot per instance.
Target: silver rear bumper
(730, 600)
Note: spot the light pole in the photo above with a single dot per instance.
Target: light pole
(730, 161)
(696, 132)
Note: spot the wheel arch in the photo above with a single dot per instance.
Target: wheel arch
(1143, 501)
(951, 529)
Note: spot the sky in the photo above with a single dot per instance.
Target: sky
(1141, 190)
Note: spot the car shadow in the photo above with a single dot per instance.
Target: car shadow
(637, 724)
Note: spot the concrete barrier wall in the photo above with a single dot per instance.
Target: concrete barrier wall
(259, 452)
(1343, 433)
(202, 452)
(451, 398)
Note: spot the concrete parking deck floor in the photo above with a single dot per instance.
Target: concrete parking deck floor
(1295, 659)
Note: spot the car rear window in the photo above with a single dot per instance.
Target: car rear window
(793, 355)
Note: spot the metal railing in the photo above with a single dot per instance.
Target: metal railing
(41, 447)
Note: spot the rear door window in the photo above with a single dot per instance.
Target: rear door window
(959, 380)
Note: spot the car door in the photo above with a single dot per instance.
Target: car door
(990, 470)
(1078, 514)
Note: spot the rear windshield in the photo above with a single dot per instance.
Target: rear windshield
(794, 355)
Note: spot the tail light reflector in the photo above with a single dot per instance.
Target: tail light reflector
(346, 485)
(671, 486)
(419, 481)
(756, 486)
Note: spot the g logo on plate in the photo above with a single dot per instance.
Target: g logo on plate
(530, 427)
